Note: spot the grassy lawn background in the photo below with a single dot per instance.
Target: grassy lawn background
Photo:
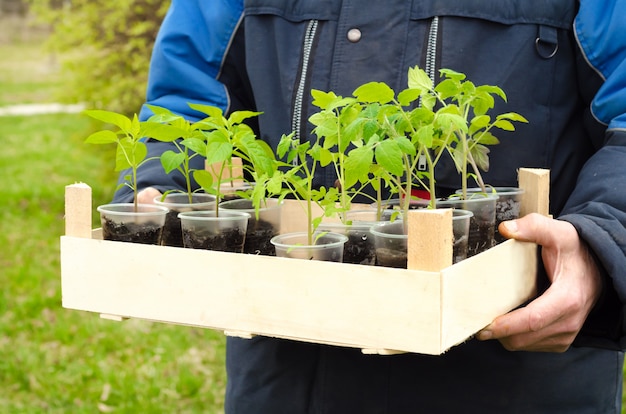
(54, 360)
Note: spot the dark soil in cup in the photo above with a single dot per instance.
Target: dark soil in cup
(172, 231)
(507, 209)
(391, 258)
(258, 238)
(227, 241)
(130, 232)
(459, 249)
(480, 236)
(359, 249)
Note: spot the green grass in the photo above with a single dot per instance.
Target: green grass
(54, 360)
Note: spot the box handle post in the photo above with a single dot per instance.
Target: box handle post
(430, 240)
(536, 185)
(78, 210)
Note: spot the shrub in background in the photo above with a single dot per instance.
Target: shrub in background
(104, 48)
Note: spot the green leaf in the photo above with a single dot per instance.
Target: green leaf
(480, 153)
(218, 151)
(479, 122)
(425, 136)
(211, 111)
(195, 145)
(512, 116)
(504, 125)
(374, 92)
(238, 117)
(447, 121)
(419, 79)
(102, 137)
(204, 180)
(492, 90)
(260, 154)
(322, 99)
(324, 156)
(161, 132)
(171, 160)
(275, 183)
(482, 103)
(486, 138)
(451, 74)
(448, 88)
(357, 165)
(119, 120)
(405, 145)
(389, 156)
(408, 96)
(122, 157)
(429, 101)
(129, 154)
(284, 145)
(326, 123)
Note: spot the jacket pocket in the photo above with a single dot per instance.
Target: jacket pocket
(556, 13)
(525, 47)
(294, 10)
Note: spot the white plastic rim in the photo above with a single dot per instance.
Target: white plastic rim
(211, 216)
(290, 240)
(497, 190)
(382, 229)
(245, 205)
(174, 200)
(123, 209)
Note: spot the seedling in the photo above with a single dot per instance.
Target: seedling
(467, 105)
(342, 133)
(297, 175)
(188, 140)
(228, 138)
(131, 151)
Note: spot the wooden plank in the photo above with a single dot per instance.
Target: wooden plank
(536, 185)
(78, 210)
(363, 307)
(477, 290)
(430, 240)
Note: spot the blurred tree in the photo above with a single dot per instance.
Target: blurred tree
(104, 47)
(13, 7)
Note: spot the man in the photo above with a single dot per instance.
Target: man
(562, 64)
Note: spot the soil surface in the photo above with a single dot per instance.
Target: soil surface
(133, 233)
(228, 241)
(391, 258)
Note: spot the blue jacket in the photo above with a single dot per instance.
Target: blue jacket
(562, 64)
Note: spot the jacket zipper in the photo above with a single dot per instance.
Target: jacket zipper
(430, 67)
(296, 122)
(431, 52)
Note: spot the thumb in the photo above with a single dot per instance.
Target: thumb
(532, 228)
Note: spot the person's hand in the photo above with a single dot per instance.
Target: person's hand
(551, 322)
(147, 195)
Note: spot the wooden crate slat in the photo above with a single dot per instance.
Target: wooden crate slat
(260, 295)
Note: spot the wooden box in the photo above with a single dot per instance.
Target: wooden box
(380, 310)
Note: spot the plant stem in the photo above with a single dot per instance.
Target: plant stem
(379, 200)
(135, 202)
